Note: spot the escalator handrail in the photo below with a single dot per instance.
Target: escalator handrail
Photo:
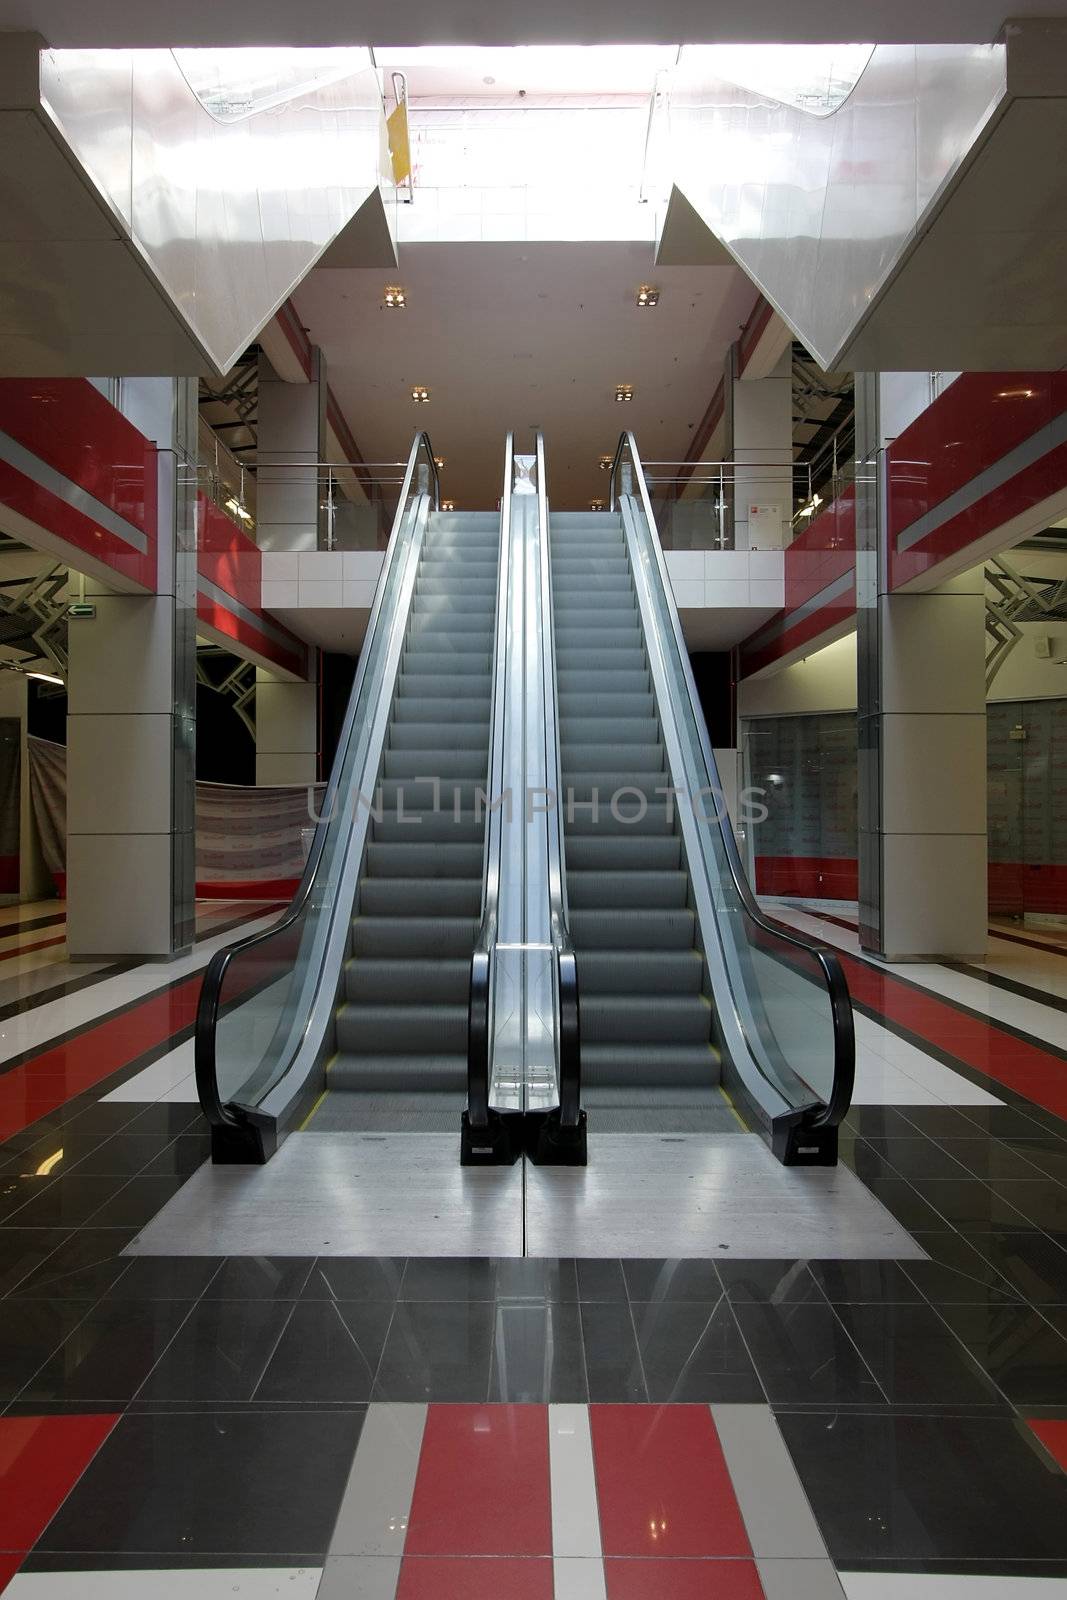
(832, 1112)
(218, 1113)
(570, 1051)
(479, 1045)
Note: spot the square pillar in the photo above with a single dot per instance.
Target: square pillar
(287, 730)
(291, 430)
(131, 732)
(758, 437)
(921, 739)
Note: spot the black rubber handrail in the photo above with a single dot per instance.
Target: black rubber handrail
(831, 1113)
(479, 1005)
(225, 1115)
(569, 1019)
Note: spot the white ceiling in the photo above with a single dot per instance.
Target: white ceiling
(503, 22)
(521, 335)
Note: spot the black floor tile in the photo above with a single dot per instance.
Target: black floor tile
(1023, 1354)
(46, 1130)
(266, 1483)
(437, 1350)
(612, 1362)
(71, 1149)
(1046, 1153)
(861, 1158)
(1005, 1122)
(109, 1354)
(918, 1158)
(916, 1358)
(903, 1201)
(105, 1117)
(672, 1280)
(122, 1156)
(354, 1278)
(329, 1351)
(136, 1203)
(456, 1278)
(878, 1122)
(220, 1353)
(971, 1205)
(1034, 1265)
(1041, 1201)
(776, 1281)
(939, 1122)
(182, 1157)
(957, 1274)
(83, 1267)
(536, 1278)
(30, 1331)
(601, 1279)
(164, 1278)
(168, 1121)
(538, 1355)
(23, 1250)
(992, 1159)
(260, 1278)
(911, 1488)
(60, 1202)
(693, 1352)
(803, 1355)
(859, 1281)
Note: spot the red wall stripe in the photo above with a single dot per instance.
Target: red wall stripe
(815, 877)
(979, 419)
(663, 1484)
(253, 638)
(482, 1487)
(1053, 1435)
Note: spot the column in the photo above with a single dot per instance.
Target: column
(287, 730)
(23, 874)
(758, 437)
(291, 432)
(921, 739)
(131, 732)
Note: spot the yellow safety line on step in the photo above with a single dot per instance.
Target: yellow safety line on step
(313, 1110)
(740, 1119)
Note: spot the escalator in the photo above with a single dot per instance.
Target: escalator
(698, 1011)
(350, 1014)
(648, 1063)
(401, 1029)
(520, 914)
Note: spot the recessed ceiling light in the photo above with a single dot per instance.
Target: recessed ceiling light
(448, 505)
(395, 297)
(648, 295)
(420, 394)
(605, 463)
(596, 505)
(438, 462)
(624, 392)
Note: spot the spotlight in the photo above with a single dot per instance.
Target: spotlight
(420, 394)
(448, 505)
(394, 297)
(596, 505)
(648, 295)
(605, 463)
(624, 392)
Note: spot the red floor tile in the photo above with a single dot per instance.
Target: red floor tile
(9, 1565)
(662, 1483)
(471, 1578)
(682, 1580)
(482, 1487)
(48, 1080)
(41, 1459)
(1053, 1436)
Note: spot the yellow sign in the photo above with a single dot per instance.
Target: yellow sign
(399, 147)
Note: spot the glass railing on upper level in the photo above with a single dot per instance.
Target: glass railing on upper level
(266, 1005)
(761, 503)
(783, 1016)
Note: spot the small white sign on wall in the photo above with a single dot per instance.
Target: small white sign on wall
(764, 527)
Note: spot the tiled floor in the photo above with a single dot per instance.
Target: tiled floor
(637, 1424)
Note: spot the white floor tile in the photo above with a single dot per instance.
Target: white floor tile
(948, 1586)
(204, 1583)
